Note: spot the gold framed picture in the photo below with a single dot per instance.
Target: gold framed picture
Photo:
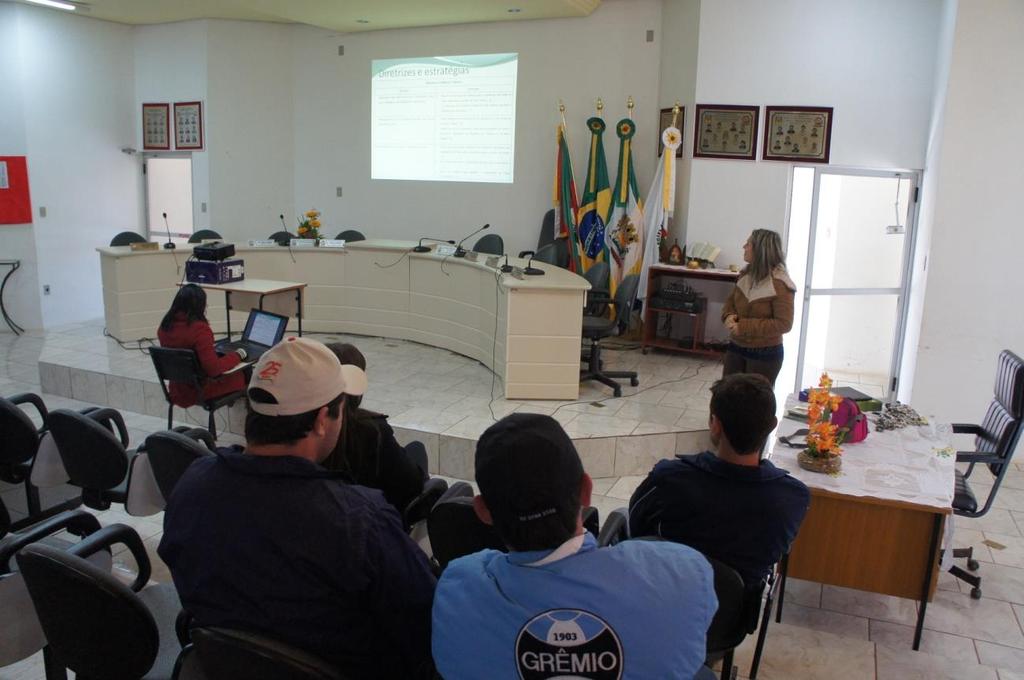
(725, 131)
(156, 127)
(797, 133)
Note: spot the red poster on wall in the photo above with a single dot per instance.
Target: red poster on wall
(15, 203)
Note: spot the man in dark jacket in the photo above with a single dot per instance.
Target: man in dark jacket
(730, 504)
(267, 540)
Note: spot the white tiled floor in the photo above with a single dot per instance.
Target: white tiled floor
(827, 632)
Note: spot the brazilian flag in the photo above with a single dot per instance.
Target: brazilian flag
(597, 199)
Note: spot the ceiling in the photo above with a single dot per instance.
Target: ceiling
(346, 16)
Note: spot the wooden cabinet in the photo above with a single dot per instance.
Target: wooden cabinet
(657, 276)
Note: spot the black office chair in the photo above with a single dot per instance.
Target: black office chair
(94, 458)
(595, 328)
(94, 624)
(351, 236)
(182, 366)
(21, 635)
(455, 530)
(126, 238)
(171, 453)
(995, 441)
(547, 229)
(729, 626)
(615, 529)
(19, 444)
(225, 654)
(556, 253)
(202, 235)
(492, 244)
(283, 238)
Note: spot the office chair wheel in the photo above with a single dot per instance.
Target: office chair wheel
(973, 565)
(634, 381)
(617, 391)
(975, 593)
(646, 350)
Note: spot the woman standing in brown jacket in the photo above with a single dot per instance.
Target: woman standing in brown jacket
(759, 309)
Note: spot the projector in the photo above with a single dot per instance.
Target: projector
(214, 252)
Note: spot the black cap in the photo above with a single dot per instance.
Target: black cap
(527, 468)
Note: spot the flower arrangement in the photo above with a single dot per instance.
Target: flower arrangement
(309, 225)
(823, 439)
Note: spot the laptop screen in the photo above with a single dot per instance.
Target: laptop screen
(265, 328)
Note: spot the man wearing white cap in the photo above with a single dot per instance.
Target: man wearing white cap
(266, 540)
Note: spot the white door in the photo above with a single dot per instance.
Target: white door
(859, 249)
(169, 192)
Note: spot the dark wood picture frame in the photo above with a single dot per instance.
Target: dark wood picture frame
(664, 120)
(188, 126)
(710, 140)
(156, 126)
(789, 128)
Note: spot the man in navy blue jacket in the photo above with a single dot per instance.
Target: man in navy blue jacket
(267, 540)
(730, 505)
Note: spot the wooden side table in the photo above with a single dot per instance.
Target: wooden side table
(655, 276)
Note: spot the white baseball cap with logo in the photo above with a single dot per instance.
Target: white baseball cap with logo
(302, 375)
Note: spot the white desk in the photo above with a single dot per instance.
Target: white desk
(247, 291)
(528, 331)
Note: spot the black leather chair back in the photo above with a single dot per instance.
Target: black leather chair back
(731, 622)
(177, 365)
(203, 234)
(597, 276)
(351, 236)
(556, 253)
(20, 440)
(547, 229)
(625, 296)
(492, 244)
(282, 237)
(236, 655)
(94, 624)
(170, 454)
(455, 530)
(1001, 427)
(94, 458)
(126, 238)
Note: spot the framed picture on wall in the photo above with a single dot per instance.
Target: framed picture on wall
(797, 133)
(188, 125)
(156, 126)
(664, 121)
(726, 131)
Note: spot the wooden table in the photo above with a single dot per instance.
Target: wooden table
(877, 527)
(655, 276)
(260, 289)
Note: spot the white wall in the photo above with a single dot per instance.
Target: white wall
(249, 126)
(17, 242)
(971, 309)
(872, 60)
(170, 66)
(77, 99)
(604, 55)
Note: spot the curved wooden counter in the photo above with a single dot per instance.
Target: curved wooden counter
(525, 330)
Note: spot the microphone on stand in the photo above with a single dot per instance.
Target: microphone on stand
(284, 227)
(420, 248)
(530, 269)
(170, 244)
(459, 250)
(506, 268)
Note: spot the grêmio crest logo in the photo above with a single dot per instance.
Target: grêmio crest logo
(570, 644)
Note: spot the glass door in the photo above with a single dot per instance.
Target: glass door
(169, 198)
(859, 252)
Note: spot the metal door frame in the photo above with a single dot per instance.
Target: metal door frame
(902, 292)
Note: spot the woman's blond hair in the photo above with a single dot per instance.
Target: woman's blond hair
(766, 254)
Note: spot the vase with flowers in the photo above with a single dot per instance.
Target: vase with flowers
(823, 453)
(309, 225)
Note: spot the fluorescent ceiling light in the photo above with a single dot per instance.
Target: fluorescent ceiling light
(53, 3)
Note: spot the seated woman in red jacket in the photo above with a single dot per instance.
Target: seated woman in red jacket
(185, 327)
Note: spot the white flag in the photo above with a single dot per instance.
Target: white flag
(660, 200)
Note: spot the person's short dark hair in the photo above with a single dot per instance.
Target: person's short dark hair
(745, 405)
(262, 429)
(529, 475)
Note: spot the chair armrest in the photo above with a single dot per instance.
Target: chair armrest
(592, 520)
(967, 428)
(975, 457)
(419, 507)
(78, 522)
(615, 529)
(106, 416)
(36, 401)
(201, 434)
(599, 295)
(112, 535)
(526, 253)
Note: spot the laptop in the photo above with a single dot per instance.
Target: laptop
(262, 331)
